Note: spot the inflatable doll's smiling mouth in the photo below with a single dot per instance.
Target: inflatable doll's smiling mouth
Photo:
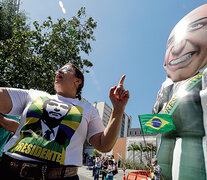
(182, 59)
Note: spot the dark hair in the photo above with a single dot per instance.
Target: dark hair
(79, 75)
(110, 161)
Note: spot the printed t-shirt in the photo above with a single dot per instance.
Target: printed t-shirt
(67, 123)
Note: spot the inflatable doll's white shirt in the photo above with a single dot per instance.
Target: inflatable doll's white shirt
(167, 82)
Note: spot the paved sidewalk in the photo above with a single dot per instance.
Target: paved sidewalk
(85, 174)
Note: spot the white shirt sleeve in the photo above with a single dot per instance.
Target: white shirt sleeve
(95, 124)
(19, 100)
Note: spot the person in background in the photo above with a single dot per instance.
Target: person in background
(116, 169)
(98, 164)
(93, 171)
(110, 170)
(104, 167)
(155, 170)
(112, 158)
(85, 155)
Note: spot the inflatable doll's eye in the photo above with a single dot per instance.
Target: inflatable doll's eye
(170, 41)
(196, 26)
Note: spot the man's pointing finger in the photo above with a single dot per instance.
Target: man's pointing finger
(121, 82)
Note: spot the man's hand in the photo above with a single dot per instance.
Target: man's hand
(9, 124)
(118, 95)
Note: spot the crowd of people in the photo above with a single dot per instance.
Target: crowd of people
(106, 166)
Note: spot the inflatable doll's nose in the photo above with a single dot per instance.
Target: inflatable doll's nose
(178, 47)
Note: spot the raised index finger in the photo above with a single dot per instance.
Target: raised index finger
(121, 82)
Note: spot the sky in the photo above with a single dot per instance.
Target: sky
(131, 38)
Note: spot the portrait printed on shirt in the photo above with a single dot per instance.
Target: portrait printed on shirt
(50, 125)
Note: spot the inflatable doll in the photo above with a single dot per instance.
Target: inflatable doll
(182, 153)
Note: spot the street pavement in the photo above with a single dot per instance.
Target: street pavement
(85, 174)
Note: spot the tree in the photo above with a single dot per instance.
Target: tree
(133, 147)
(141, 149)
(152, 149)
(7, 14)
(31, 57)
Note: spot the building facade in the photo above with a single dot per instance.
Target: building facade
(105, 112)
(134, 132)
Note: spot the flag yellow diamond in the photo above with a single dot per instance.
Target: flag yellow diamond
(156, 123)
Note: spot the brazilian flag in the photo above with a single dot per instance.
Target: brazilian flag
(156, 123)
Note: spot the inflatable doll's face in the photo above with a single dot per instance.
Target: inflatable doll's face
(186, 51)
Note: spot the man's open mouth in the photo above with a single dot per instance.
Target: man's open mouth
(182, 59)
(59, 76)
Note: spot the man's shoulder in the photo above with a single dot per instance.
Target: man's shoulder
(86, 104)
(88, 107)
(38, 93)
